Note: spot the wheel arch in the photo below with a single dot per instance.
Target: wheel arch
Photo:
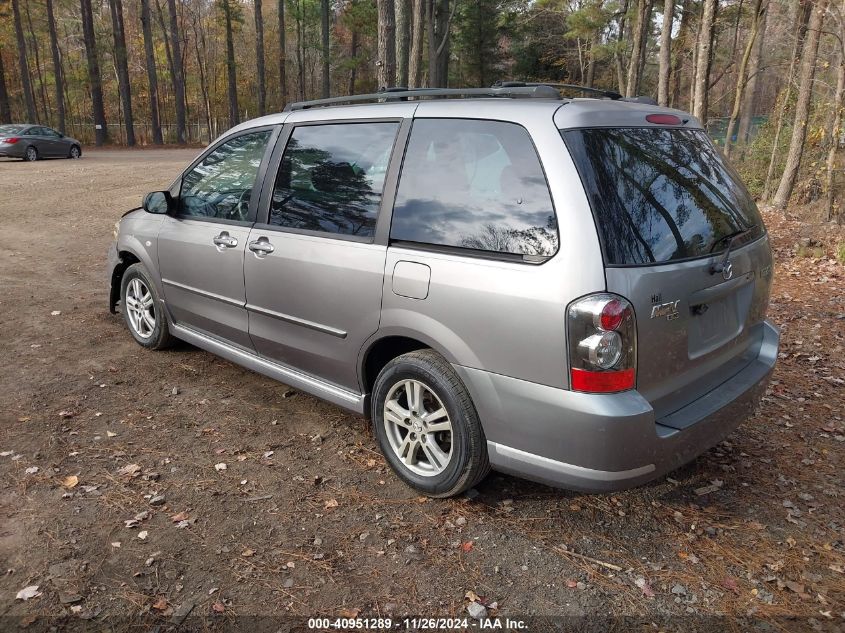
(389, 342)
(129, 252)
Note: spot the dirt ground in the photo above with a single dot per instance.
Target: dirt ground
(114, 507)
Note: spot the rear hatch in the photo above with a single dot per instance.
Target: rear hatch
(669, 209)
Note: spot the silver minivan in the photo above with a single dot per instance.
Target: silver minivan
(570, 290)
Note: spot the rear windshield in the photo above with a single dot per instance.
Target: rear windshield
(660, 195)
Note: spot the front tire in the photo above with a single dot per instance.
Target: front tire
(427, 426)
(142, 309)
(75, 152)
(31, 154)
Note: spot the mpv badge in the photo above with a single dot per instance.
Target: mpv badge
(728, 270)
(668, 310)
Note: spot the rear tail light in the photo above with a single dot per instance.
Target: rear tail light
(10, 140)
(602, 344)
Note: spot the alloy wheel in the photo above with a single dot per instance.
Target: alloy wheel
(140, 308)
(31, 154)
(74, 152)
(418, 428)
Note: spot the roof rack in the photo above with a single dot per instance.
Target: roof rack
(610, 94)
(535, 91)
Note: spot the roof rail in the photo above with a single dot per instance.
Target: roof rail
(536, 91)
(610, 94)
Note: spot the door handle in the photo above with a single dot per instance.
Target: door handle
(261, 246)
(225, 240)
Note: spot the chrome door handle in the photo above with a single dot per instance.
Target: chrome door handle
(225, 240)
(261, 246)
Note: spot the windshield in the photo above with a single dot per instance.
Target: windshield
(660, 194)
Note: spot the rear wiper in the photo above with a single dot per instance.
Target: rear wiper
(719, 266)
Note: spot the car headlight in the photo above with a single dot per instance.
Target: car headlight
(116, 229)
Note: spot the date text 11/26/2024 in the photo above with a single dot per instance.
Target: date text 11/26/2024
(416, 624)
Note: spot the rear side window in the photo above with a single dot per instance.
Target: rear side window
(660, 195)
(477, 185)
(332, 176)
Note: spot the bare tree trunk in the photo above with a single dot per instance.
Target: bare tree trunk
(231, 67)
(152, 76)
(116, 9)
(705, 56)
(638, 47)
(58, 75)
(617, 57)
(26, 85)
(259, 59)
(741, 73)
(802, 106)
(325, 10)
(283, 80)
(45, 100)
(403, 40)
(101, 131)
(415, 69)
(802, 15)
(439, 18)
(681, 53)
(176, 73)
(5, 110)
(353, 53)
(665, 58)
(201, 51)
(836, 127)
(300, 47)
(751, 86)
(386, 75)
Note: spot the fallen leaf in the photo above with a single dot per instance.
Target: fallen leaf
(143, 535)
(571, 583)
(32, 470)
(331, 503)
(247, 552)
(218, 607)
(111, 434)
(115, 544)
(467, 547)
(349, 613)
(160, 604)
(28, 592)
(55, 313)
(797, 587)
(130, 469)
(642, 583)
(180, 516)
(70, 481)
(730, 583)
(219, 467)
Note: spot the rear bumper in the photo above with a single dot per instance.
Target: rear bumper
(606, 442)
(15, 150)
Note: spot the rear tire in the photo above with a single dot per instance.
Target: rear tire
(31, 154)
(427, 426)
(143, 310)
(75, 152)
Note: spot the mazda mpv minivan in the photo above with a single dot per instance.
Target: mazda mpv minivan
(570, 290)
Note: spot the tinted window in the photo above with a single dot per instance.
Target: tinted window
(46, 131)
(332, 176)
(221, 185)
(474, 184)
(660, 194)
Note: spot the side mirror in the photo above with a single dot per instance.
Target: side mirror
(160, 202)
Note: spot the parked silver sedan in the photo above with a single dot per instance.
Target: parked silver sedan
(32, 142)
